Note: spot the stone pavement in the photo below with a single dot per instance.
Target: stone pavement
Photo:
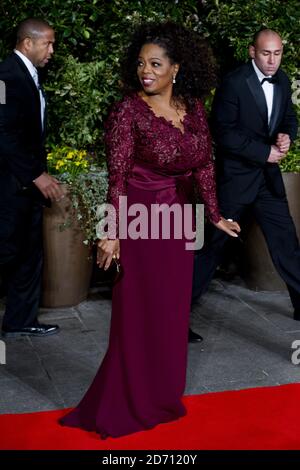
(247, 343)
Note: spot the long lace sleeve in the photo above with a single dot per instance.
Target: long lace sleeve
(119, 142)
(205, 173)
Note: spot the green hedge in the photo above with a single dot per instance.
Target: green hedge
(82, 80)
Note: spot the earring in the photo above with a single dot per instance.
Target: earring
(174, 79)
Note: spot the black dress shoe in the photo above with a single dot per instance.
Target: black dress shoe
(297, 314)
(194, 337)
(37, 330)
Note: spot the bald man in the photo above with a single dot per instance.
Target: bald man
(25, 185)
(253, 125)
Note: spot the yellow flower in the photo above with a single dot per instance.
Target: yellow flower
(68, 160)
(59, 164)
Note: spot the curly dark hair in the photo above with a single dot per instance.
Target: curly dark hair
(198, 70)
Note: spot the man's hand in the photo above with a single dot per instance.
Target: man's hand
(283, 142)
(49, 187)
(275, 155)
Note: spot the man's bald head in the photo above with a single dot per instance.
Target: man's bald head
(32, 28)
(264, 34)
(35, 40)
(266, 51)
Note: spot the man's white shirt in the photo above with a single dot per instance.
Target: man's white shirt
(268, 89)
(34, 73)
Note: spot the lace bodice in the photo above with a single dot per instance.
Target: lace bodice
(134, 134)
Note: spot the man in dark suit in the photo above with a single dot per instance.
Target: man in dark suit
(253, 125)
(25, 185)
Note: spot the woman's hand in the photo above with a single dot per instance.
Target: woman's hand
(106, 251)
(228, 226)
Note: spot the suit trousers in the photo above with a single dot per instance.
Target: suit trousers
(20, 253)
(273, 216)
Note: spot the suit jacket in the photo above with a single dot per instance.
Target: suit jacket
(243, 136)
(22, 152)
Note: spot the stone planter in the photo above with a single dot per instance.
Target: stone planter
(258, 271)
(67, 263)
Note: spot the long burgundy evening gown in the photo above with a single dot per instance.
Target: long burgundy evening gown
(142, 377)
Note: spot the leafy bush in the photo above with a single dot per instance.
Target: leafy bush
(88, 192)
(291, 163)
(83, 78)
(230, 26)
(86, 185)
(80, 95)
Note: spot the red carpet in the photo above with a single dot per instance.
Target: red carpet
(255, 419)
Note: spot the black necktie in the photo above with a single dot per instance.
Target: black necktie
(269, 79)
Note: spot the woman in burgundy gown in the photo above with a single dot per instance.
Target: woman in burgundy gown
(158, 143)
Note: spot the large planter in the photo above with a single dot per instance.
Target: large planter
(258, 271)
(67, 261)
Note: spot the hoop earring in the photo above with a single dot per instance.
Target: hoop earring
(174, 79)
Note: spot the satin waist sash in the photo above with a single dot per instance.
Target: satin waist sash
(170, 188)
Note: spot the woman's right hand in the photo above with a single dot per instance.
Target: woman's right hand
(106, 251)
(229, 226)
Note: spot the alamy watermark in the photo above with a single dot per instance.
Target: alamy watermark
(2, 352)
(2, 92)
(296, 92)
(159, 221)
(295, 357)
